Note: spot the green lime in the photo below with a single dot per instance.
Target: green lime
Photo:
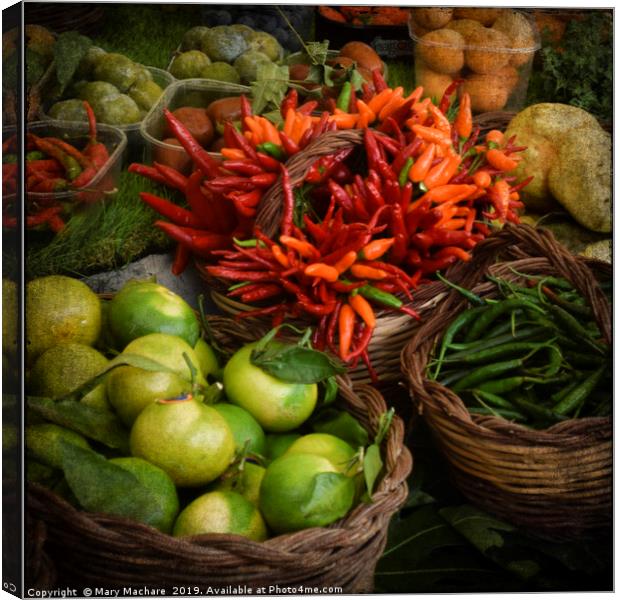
(247, 482)
(277, 405)
(207, 359)
(278, 443)
(304, 490)
(244, 427)
(187, 439)
(337, 451)
(160, 485)
(143, 307)
(43, 442)
(221, 512)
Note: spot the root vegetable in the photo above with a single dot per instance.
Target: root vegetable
(487, 50)
(442, 50)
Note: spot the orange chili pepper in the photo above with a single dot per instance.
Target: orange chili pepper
(514, 196)
(305, 249)
(456, 251)
(343, 119)
(366, 272)
(463, 122)
(366, 116)
(376, 103)
(498, 160)
(440, 120)
(452, 224)
(298, 128)
(495, 136)
(233, 154)
(270, 132)
(442, 173)
(482, 179)
(430, 134)
(322, 271)
(280, 256)
(377, 248)
(255, 127)
(449, 193)
(422, 165)
(345, 262)
(362, 307)
(346, 326)
(289, 122)
(393, 103)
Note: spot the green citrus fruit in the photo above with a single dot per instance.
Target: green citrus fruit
(247, 482)
(186, 438)
(62, 369)
(131, 389)
(221, 512)
(304, 490)
(60, 310)
(278, 443)
(160, 485)
(277, 405)
(43, 442)
(207, 360)
(244, 427)
(337, 451)
(143, 307)
(9, 317)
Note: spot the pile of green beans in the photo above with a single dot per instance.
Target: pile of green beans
(533, 354)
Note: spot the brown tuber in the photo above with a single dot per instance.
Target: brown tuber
(442, 50)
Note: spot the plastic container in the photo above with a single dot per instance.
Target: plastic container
(197, 93)
(494, 62)
(135, 143)
(104, 184)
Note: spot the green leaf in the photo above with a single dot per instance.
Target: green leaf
(343, 425)
(330, 498)
(270, 86)
(102, 486)
(317, 51)
(69, 49)
(372, 466)
(356, 80)
(327, 76)
(35, 67)
(331, 390)
(295, 364)
(95, 423)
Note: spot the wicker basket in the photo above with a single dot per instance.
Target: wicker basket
(101, 550)
(555, 482)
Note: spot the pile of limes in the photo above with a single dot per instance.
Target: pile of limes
(215, 450)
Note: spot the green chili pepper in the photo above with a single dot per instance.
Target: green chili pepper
(35, 155)
(372, 293)
(493, 399)
(574, 400)
(495, 352)
(473, 298)
(509, 415)
(345, 97)
(537, 411)
(487, 372)
(245, 243)
(502, 386)
(572, 325)
(273, 150)
(404, 172)
(527, 333)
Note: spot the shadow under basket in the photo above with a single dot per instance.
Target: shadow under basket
(556, 483)
(90, 549)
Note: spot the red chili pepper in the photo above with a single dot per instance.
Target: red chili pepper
(96, 151)
(171, 211)
(208, 165)
(308, 107)
(367, 92)
(173, 177)
(267, 290)
(242, 167)
(290, 101)
(246, 108)
(444, 103)
(240, 141)
(378, 81)
(440, 237)
(182, 255)
(306, 138)
(268, 163)
(146, 171)
(288, 205)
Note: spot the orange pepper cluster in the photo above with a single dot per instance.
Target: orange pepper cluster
(365, 15)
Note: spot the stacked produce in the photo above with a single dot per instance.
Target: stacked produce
(534, 355)
(168, 435)
(366, 15)
(489, 48)
(431, 192)
(230, 53)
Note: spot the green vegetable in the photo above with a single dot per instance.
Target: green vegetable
(69, 49)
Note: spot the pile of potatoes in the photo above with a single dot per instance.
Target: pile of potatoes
(490, 48)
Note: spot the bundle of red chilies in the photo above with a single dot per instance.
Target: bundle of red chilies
(430, 191)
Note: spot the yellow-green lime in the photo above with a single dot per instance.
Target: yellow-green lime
(304, 490)
(221, 512)
(278, 443)
(143, 307)
(130, 389)
(244, 427)
(337, 451)
(207, 360)
(186, 438)
(62, 369)
(278, 406)
(166, 509)
(43, 442)
(59, 310)
(247, 482)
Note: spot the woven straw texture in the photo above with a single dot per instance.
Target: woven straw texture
(96, 549)
(555, 482)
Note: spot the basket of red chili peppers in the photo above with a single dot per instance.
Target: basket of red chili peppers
(513, 376)
(341, 217)
(66, 164)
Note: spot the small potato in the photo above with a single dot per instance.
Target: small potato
(486, 16)
(465, 27)
(487, 91)
(486, 50)
(434, 84)
(509, 75)
(521, 35)
(442, 50)
(177, 159)
(416, 31)
(432, 17)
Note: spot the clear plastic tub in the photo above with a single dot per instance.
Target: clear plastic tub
(491, 50)
(105, 182)
(197, 93)
(135, 143)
